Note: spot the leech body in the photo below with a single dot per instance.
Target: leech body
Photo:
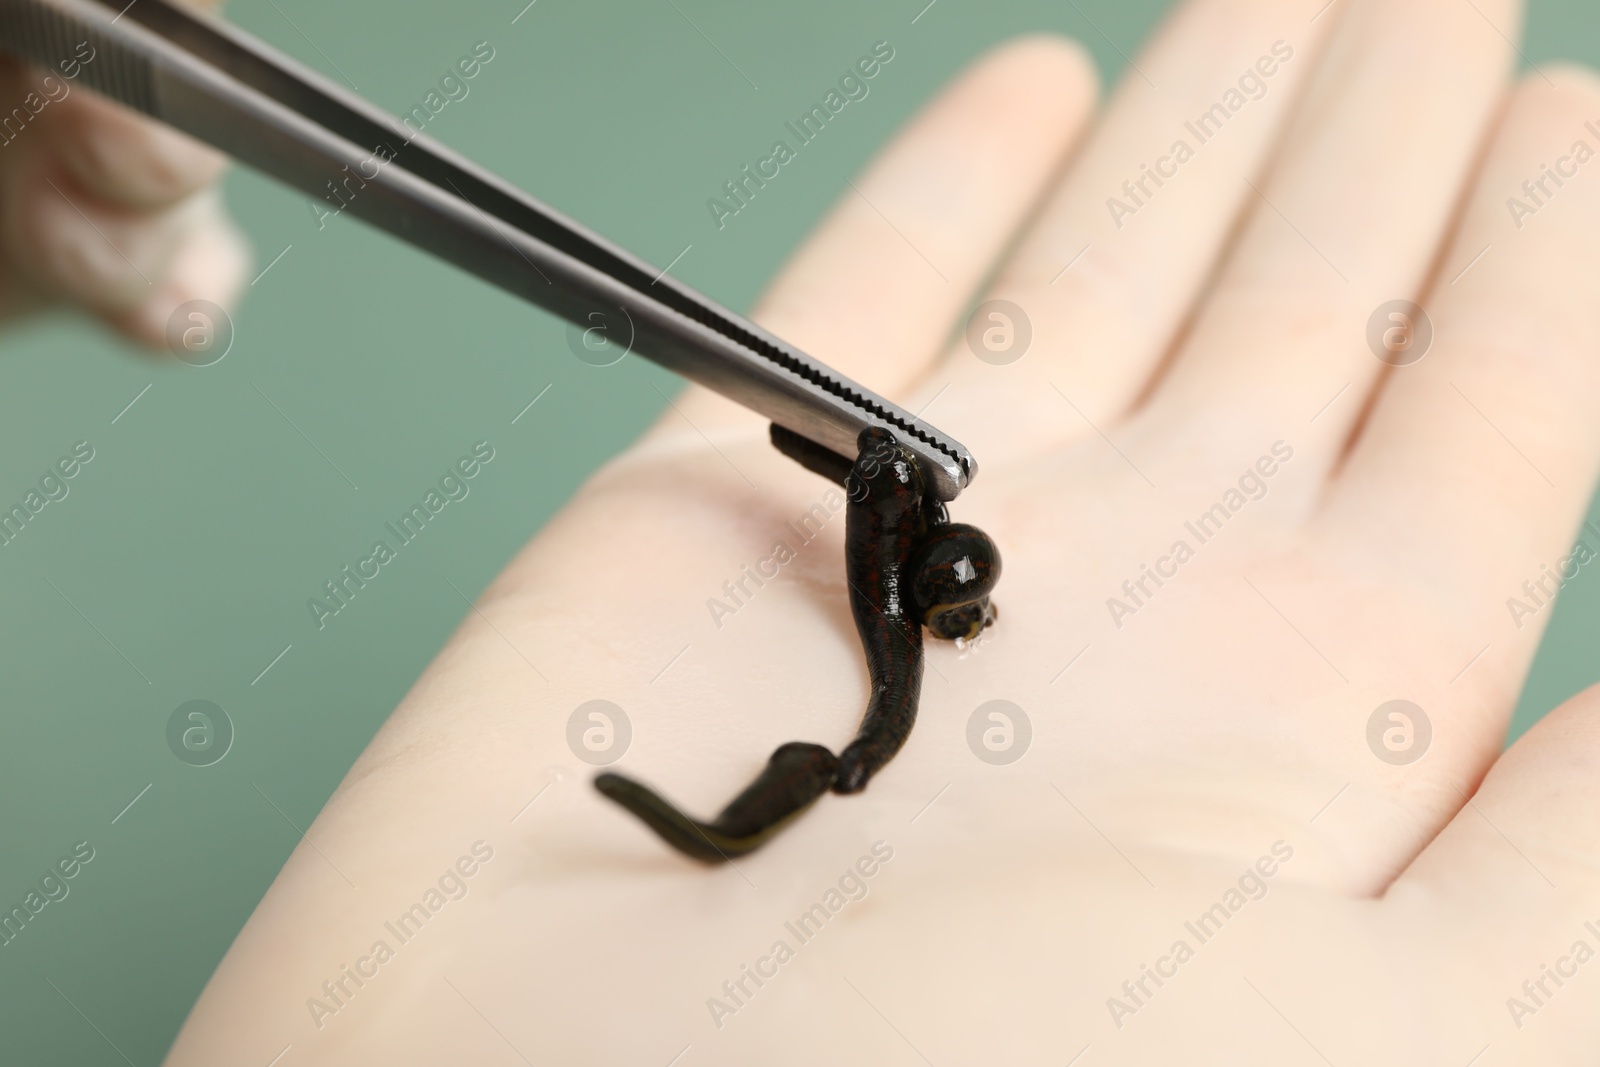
(796, 774)
(906, 566)
(884, 524)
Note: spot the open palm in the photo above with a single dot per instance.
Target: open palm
(1168, 809)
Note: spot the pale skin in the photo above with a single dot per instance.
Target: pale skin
(1223, 722)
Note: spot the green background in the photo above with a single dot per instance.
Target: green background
(218, 503)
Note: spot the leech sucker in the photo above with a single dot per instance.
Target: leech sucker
(953, 572)
(906, 566)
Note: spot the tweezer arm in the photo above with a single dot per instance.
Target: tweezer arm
(223, 87)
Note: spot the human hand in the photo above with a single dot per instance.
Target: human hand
(105, 209)
(1210, 749)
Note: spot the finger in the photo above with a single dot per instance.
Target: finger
(1542, 799)
(1107, 275)
(211, 264)
(1475, 467)
(876, 289)
(1524, 852)
(1520, 864)
(123, 158)
(1352, 216)
(70, 245)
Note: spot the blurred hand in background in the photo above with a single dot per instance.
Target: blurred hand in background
(105, 209)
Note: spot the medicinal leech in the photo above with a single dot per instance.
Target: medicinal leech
(907, 566)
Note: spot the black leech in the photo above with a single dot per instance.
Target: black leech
(906, 566)
(884, 524)
(797, 774)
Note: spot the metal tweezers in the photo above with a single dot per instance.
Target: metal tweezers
(226, 88)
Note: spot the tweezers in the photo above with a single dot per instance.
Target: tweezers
(228, 89)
